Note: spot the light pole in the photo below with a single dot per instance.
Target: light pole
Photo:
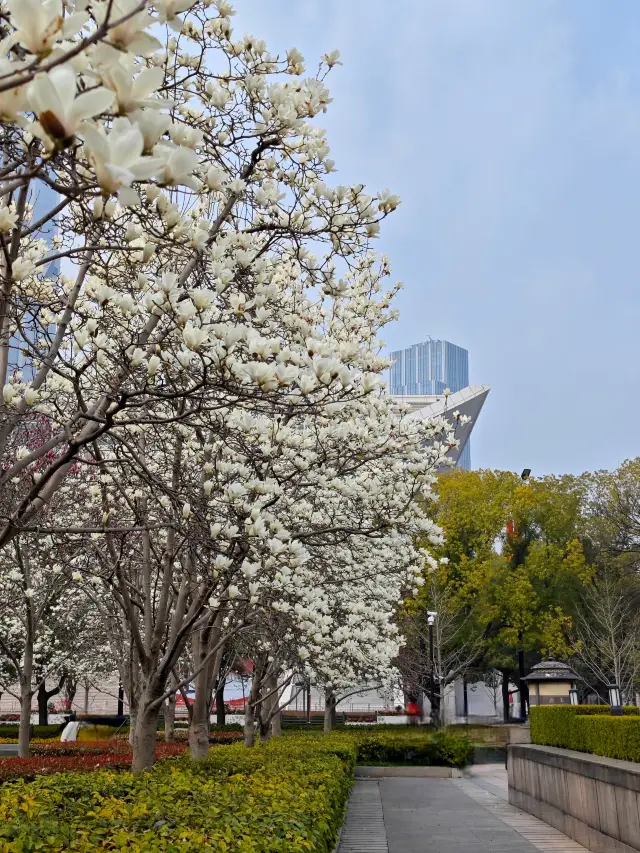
(524, 689)
(431, 618)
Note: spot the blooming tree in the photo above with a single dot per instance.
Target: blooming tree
(199, 348)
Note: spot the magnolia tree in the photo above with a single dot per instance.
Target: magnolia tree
(199, 348)
(47, 624)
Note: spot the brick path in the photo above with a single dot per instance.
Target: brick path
(470, 815)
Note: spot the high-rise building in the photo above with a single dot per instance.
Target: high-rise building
(429, 368)
(426, 370)
(43, 198)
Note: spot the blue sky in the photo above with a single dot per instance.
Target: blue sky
(511, 129)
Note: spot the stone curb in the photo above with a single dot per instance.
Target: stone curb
(374, 772)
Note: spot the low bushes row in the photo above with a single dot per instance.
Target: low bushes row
(10, 730)
(588, 728)
(286, 797)
(412, 746)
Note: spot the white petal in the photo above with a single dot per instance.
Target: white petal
(146, 82)
(126, 146)
(96, 141)
(90, 104)
(73, 23)
(64, 85)
(144, 44)
(128, 197)
(145, 167)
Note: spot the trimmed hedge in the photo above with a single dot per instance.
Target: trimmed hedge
(440, 748)
(286, 797)
(588, 728)
(41, 732)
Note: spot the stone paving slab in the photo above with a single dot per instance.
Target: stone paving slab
(421, 815)
(435, 816)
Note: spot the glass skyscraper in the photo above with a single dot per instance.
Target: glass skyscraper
(44, 199)
(429, 368)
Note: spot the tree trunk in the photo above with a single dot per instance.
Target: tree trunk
(505, 695)
(43, 699)
(201, 708)
(523, 688)
(43, 710)
(220, 710)
(276, 725)
(86, 697)
(145, 733)
(264, 726)
(170, 714)
(249, 728)
(133, 720)
(329, 710)
(24, 733)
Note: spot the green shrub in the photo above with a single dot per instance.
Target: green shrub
(613, 737)
(10, 730)
(588, 728)
(413, 746)
(286, 797)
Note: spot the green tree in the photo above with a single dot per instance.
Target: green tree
(514, 561)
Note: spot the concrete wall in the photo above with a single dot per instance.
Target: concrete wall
(594, 800)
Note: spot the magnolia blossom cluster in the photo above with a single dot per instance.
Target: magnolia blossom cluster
(190, 354)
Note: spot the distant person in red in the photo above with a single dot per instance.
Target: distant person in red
(413, 713)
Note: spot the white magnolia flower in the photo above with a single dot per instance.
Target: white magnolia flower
(40, 23)
(194, 337)
(28, 593)
(151, 124)
(186, 511)
(178, 165)
(76, 576)
(8, 219)
(134, 93)
(22, 268)
(52, 98)
(387, 201)
(168, 11)
(31, 396)
(12, 101)
(130, 34)
(118, 159)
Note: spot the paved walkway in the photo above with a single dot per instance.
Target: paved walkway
(469, 815)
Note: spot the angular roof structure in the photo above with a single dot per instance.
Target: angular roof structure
(468, 402)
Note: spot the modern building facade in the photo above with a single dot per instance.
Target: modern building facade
(426, 370)
(468, 402)
(44, 199)
(429, 368)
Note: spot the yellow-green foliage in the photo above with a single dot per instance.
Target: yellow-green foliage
(93, 734)
(287, 797)
(588, 728)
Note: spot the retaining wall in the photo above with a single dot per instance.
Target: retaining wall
(594, 800)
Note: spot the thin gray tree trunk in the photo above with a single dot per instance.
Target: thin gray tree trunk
(170, 715)
(329, 710)
(24, 731)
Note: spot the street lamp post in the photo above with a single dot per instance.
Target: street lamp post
(524, 690)
(431, 618)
